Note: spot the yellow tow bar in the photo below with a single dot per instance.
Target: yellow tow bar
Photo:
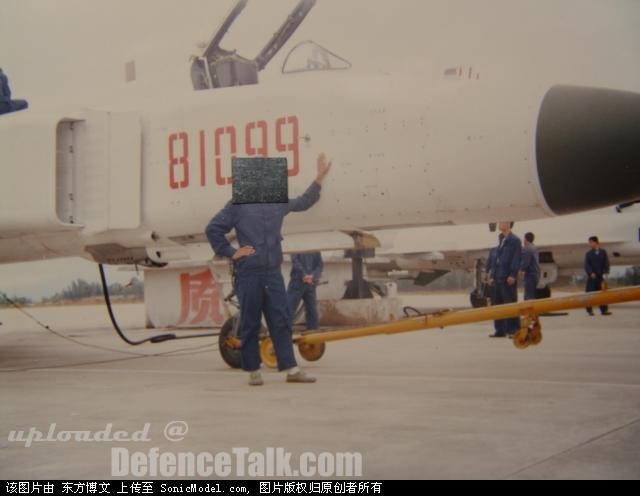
(312, 344)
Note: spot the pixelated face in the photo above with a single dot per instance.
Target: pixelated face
(593, 244)
(504, 227)
(259, 180)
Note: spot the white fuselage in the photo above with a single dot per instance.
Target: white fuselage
(413, 143)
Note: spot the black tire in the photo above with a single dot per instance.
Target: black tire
(230, 356)
(478, 300)
(543, 293)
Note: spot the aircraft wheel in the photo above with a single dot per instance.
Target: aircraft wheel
(478, 300)
(229, 343)
(311, 352)
(268, 353)
(543, 293)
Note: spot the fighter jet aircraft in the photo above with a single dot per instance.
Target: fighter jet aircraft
(434, 114)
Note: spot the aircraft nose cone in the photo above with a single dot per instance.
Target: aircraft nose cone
(588, 148)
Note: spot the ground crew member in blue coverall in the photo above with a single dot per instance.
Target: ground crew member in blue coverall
(596, 265)
(490, 263)
(530, 267)
(258, 278)
(306, 269)
(504, 275)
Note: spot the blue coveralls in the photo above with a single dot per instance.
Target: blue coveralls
(6, 103)
(304, 264)
(531, 269)
(489, 264)
(491, 260)
(507, 264)
(596, 262)
(258, 278)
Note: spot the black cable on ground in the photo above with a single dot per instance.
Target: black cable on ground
(62, 336)
(132, 355)
(158, 338)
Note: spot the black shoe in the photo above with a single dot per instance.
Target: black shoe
(590, 314)
(607, 313)
(496, 335)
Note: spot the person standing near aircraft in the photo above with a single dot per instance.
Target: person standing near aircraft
(8, 105)
(306, 269)
(258, 278)
(491, 261)
(530, 267)
(504, 274)
(596, 265)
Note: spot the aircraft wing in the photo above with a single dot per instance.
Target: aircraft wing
(561, 242)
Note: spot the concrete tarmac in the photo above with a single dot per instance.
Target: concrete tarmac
(442, 404)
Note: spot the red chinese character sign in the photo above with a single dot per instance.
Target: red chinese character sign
(201, 299)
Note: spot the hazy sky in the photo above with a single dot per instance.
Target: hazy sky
(38, 279)
(55, 49)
